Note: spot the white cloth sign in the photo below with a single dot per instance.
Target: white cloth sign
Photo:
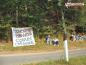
(22, 36)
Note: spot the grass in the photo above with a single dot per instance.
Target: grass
(73, 61)
(40, 46)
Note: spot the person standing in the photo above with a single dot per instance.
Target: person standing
(48, 39)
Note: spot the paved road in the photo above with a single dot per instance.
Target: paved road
(28, 58)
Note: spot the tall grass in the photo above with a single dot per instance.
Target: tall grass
(42, 46)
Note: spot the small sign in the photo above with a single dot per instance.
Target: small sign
(22, 36)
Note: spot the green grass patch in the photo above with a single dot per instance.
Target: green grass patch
(73, 61)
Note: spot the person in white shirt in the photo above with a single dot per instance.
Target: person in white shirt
(55, 41)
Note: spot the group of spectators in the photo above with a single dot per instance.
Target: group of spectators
(78, 37)
(55, 41)
(50, 41)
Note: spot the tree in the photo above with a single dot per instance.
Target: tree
(43, 15)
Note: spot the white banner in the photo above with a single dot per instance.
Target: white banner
(22, 36)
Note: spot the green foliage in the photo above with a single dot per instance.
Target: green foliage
(43, 15)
